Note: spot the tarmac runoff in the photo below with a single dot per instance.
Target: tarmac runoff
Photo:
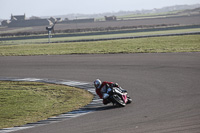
(95, 105)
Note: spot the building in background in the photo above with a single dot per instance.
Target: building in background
(21, 21)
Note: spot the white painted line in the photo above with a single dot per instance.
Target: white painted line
(72, 83)
(27, 79)
(92, 91)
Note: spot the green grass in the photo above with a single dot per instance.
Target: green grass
(186, 43)
(34, 41)
(25, 102)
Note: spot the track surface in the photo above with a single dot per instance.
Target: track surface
(164, 88)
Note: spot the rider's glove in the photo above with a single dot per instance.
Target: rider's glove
(115, 85)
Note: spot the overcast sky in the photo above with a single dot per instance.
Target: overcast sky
(62, 7)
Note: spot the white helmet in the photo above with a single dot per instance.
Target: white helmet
(97, 83)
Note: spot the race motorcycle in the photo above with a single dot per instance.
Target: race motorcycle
(117, 96)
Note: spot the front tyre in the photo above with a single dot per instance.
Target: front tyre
(129, 100)
(118, 101)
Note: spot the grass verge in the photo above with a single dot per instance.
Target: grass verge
(25, 102)
(15, 41)
(186, 43)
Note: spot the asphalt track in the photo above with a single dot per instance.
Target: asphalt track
(164, 88)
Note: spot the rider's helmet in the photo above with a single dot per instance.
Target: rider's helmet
(97, 83)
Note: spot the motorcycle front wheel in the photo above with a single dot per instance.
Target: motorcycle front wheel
(118, 100)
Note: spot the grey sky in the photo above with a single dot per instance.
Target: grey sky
(61, 7)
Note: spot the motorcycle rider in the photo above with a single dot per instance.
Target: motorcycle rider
(102, 87)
